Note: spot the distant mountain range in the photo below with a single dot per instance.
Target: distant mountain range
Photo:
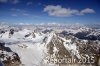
(49, 45)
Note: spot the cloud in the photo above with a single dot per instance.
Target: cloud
(29, 3)
(14, 9)
(3, 1)
(39, 3)
(59, 11)
(19, 12)
(14, 15)
(25, 14)
(14, 1)
(9, 1)
(87, 10)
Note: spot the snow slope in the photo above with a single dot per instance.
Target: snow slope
(30, 50)
(31, 55)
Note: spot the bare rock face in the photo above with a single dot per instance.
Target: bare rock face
(88, 51)
(27, 35)
(56, 50)
(33, 34)
(8, 57)
(30, 34)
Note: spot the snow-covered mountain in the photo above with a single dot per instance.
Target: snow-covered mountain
(46, 47)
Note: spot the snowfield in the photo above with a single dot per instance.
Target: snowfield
(33, 47)
(30, 54)
(30, 50)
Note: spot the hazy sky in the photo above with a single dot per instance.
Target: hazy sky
(44, 11)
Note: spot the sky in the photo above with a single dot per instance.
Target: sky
(50, 11)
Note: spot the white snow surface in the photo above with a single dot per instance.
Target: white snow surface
(30, 54)
(71, 47)
(30, 50)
